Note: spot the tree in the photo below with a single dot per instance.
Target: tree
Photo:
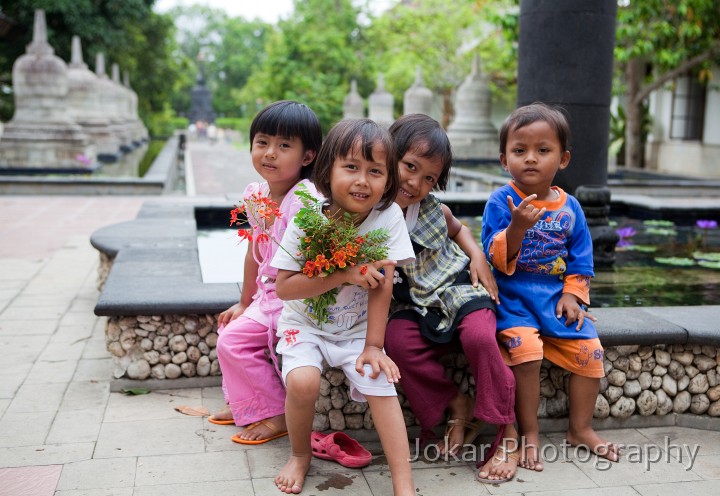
(657, 41)
(442, 38)
(128, 32)
(311, 58)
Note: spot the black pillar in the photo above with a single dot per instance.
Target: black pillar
(566, 59)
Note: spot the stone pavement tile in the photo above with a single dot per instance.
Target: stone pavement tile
(708, 441)
(4, 402)
(600, 491)
(95, 348)
(75, 426)
(196, 467)
(62, 351)
(91, 368)
(24, 429)
(440, 480)
(267, 462)
(217, 437)
(87, 395)
(24, 481)
(71, 333)
(17, 271)
(10, 381)
(37, 398)
(32, 313)
(56, 299)
(75, 318)
(222, 488)
(22, 328)
(328, 484)
(98, 474)
(113, 491)
(698, 488)
(156, 405)
(45, 454)
(51, 372)
(707, 467)
(555, 477)
(150, 437)
(25, 350)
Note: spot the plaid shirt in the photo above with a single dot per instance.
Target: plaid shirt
(436, 290)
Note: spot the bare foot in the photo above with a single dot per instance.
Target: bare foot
(503, 464)
(264, 430)
(590, 439)
(224, 414)
(530, 457)
(292, 476)
(461, 413)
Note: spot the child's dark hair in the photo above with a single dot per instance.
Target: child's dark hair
(538, 111)
(423, 135)
(290, 119)
(343, 138)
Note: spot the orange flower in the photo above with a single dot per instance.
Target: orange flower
(245, 234)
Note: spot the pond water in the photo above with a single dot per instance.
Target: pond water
(658, 263)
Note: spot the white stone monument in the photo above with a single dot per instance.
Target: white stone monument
(353, 105)
(418, 99)
(472, 133)
(380, 104)
(85, 106)
(42, 135)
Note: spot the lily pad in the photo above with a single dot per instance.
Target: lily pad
(712, 257)
(677, 261)
(658, 223)
(642, 248)
(709, 265)
(659, 231)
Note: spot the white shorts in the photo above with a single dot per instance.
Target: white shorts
(309, 350)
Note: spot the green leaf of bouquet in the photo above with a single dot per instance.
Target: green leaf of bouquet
(135, 391)
(677, 261)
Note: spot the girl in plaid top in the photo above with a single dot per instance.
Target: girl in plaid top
(439, 307)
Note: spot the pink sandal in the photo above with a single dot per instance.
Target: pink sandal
(341, 448)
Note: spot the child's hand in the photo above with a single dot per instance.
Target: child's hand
(370, 275)
(525, 215)
(480, 271)
(570, 307)
(378, 361)
(230, 314)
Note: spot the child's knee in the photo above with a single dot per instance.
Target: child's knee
(303, 382)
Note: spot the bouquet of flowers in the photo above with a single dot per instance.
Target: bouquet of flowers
(329, 243)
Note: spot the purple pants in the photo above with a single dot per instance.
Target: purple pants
(424, 382)
(252, 387)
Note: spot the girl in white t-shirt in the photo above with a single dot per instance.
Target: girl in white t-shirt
(356, 171)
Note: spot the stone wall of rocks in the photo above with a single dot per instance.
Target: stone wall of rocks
(162, 346)
(639, 380)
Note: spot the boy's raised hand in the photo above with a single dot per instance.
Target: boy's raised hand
(370, 275)
(378, 361)
(569, 306)
(525, 215)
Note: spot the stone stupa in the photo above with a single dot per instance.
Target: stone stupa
(111, 103)
(380, 104)
(472, 134)
(42, 135)
(139, 131)
(353, 105)
(85, 106)
(418, 99)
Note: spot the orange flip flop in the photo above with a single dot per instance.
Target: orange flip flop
(221, 421)
(274, 430)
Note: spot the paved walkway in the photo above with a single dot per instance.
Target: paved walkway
(62, 432)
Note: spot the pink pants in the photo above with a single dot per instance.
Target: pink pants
(424, 382)
(252, 387)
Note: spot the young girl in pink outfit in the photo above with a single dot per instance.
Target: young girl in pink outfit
(285, 138)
